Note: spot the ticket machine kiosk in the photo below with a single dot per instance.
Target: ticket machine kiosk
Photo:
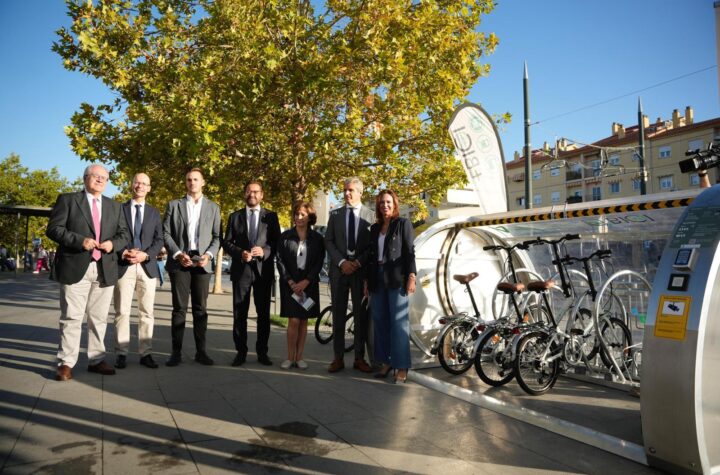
(681, 347)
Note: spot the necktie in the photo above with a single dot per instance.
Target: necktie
(96, 254)
(137, 229)
(253, 227)
(351, 231)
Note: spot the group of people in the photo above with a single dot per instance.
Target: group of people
(108, 251)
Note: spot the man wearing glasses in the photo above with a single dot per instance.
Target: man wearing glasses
(88, 227)
(138, 272)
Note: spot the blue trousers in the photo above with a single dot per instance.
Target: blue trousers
(391, 325)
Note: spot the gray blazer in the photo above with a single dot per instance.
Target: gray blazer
(175, 231)
(336, 240)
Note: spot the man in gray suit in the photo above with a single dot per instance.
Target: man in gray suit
(192, 237)
(346, 240)
(88, 227)
(138, 273)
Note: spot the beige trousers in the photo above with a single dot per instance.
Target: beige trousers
(134, 280)
(84, 298)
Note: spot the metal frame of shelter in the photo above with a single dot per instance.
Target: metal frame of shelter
(23, 211)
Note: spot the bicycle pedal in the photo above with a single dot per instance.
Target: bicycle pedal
(577, 331)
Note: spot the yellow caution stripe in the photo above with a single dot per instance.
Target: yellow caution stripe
(580, 213)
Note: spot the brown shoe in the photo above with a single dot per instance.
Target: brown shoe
(336, 366)
(101, 368)
(361, 365)
(64, 373)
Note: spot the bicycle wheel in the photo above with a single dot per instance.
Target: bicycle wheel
(349, 332)
(618, 340)
(490, 360)
(587, 343)
(537, 366)
(324, 326)
(456, 347)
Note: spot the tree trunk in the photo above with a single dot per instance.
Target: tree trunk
(217, 289)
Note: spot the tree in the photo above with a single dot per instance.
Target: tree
(274, 89)
(20, 186)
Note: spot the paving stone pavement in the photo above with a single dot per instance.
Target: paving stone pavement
(252, 419)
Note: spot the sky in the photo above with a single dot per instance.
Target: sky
(579, 53)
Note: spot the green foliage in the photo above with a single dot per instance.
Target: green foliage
(21, 186)
(273, 89)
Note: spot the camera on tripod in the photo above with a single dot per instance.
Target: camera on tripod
(701, 159)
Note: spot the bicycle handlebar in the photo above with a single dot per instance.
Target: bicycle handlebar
(498, 247)
(600, 254)
(539, 240)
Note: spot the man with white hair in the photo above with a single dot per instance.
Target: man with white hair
(88, 227)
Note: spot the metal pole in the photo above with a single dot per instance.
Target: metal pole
(528, 150)
(641, 153)
(17, 244)
(716, 6)
(27, 233)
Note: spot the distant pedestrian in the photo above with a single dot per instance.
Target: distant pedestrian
(161, 258)
(42, 260)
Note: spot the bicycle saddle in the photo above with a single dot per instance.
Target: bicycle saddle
(510, 288)
(464, 279)
(540, 285)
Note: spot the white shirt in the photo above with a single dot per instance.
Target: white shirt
(193, 210)
(381, 247)
(133, 211)
(302, 254)
(257, 218)
(357, 219)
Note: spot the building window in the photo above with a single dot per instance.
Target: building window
(636, 184)
(536, 175)
(595, 165)
(694, 179)
(615, 187)
(574, 172)
(614, 160)
(520, 201)
(666, 183)
(555, 171)
(695, 144)
(555, 197)
(537, 199)
(596, 193)
(665, 152)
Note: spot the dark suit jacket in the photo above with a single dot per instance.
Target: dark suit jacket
(70, 223)
(398, 254)
(237, 240)
(287, 256)
(151, 239)
(175, 231)
(336, 240)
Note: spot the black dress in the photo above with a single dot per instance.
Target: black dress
(287, 253)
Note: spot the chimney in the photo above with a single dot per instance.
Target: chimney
(646, 121)
(516, 156)
(689, 115)
(676, 118)
(546, 147)
(615, 128)
(621, 131)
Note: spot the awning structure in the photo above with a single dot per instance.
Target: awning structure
(23, 211)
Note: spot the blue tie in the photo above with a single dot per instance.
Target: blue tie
(137, 229)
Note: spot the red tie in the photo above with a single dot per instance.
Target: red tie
(96, 254)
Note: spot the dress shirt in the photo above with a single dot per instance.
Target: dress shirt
(301, 254)
(381, 247)
(133, 210)
(90, 199)
(193, 210)
(257, 218)
(357, 220)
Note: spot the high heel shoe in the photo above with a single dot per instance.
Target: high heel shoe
(384, 371)
(401, 378)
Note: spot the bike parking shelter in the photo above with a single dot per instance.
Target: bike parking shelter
(679, 397)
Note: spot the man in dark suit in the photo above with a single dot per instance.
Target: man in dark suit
(251, 237)
(138, 271)
(87, 227)
(192, 237)
(346, 241)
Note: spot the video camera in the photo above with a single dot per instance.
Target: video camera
(701, 159)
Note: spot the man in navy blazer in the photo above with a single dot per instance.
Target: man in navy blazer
(88, 227)
(138, 271)
(251, 236)
(192, 238)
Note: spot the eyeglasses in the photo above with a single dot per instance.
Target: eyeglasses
(139, 183)
(100, 178)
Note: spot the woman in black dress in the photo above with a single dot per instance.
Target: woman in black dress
(300, 257)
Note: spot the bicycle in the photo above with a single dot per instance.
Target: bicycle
(541, 352)
(324, 327)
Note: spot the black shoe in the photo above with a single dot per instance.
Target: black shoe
(121, 362)
(174, 360)
(202, 358)
(264, 360)
(148, 362)
(239, 360)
